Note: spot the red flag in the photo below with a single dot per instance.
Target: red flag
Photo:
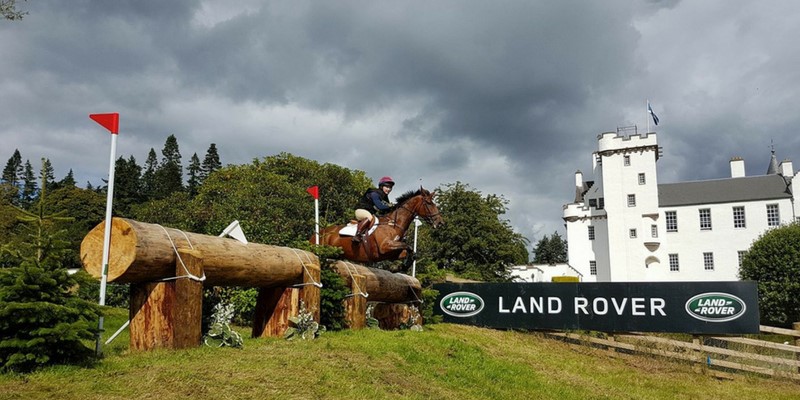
(108, 121)
(314, 191)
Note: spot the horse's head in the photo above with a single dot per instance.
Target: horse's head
(427, 210)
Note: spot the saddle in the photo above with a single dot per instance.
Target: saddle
(351, 228)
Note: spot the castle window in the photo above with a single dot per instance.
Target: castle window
(642, 179)
(708, 261)
(674, 266)
(741, 253)
(672, 221)
(773, 215)
(738, 217)
(601, 203)
(593, 267)
(632, 233)
(631, 200)
(654, 231)
(591, 233)
(705, 219)
(626, 160)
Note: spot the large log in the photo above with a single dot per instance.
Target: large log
(381, 285)
(142, 252)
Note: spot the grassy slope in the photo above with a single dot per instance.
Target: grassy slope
(443, 362)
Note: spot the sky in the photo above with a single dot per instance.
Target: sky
(505, 96)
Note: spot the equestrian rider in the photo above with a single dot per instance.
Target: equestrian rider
(373, 201)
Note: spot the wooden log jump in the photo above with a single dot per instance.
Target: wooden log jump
(142, 252)
(392, 291)
(150, 257)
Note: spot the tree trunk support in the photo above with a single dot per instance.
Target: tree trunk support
(356, 304)
(274, 306)
(168, 314)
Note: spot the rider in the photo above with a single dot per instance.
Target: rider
(373, 201)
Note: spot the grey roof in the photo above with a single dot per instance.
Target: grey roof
(729, 190)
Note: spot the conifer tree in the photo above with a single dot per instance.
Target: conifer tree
(42, 322)
(13, 169)
(211, 162)
(68, 181)
(127, 185)
(28, 186)
(169, 175)
(194, 171)
(149, 175)
(49, 174)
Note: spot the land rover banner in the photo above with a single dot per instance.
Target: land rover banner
(688, 307)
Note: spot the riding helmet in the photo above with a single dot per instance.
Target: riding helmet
(386, 181)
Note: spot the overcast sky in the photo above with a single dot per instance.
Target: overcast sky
(506, 96)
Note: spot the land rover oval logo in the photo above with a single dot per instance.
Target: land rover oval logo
(461, 304)
(715, 307)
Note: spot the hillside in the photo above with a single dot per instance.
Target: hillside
(443, 362)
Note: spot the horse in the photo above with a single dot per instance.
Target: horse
(386, 241)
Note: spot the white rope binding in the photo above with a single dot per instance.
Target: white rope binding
(359, 292)
(305, 269)
(177, 254)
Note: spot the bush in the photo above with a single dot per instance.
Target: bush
(774, 261)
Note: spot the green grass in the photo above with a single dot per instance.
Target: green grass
(443, 362)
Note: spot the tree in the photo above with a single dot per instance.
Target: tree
(149, 175)
(194, 171)
(42, 322)
(127, 185)
(68, 181)
(774, 261)
(551, 250)
(211, 162)
(8, 8)
(48, 173)
(169, 175)
(28, 186)
(13, 169)
(475, 242)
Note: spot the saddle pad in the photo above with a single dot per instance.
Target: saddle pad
(350, 229)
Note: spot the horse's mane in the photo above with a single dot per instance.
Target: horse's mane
(407, 195)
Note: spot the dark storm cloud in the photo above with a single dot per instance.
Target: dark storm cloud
(506, 96)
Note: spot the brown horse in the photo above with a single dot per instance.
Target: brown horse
(386, 241)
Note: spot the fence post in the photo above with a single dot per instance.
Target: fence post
(796, 327)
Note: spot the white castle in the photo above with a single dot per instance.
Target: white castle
(623, 226)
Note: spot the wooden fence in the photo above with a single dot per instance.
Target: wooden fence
(719, 354)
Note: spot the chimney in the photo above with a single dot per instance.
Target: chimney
(578, 186)
(786, 169)
(737, 167)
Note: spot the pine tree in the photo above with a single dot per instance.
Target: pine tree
(68, 181)
(169, 175)
(211, 162)
(149, 175)
(194, 171)
(42, 322)
(127, 185)
(13, 170)
(28, 186)
(49, 174)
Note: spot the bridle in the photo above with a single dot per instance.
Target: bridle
(425, 203)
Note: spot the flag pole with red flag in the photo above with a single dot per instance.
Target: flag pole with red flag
(111, 122)
(314, 192)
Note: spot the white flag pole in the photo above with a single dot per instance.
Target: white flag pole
(109, 121)
(107, 237)
(316, 219)
(414, 263)
(647, 117)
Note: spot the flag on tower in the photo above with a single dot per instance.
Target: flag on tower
(650, 110)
